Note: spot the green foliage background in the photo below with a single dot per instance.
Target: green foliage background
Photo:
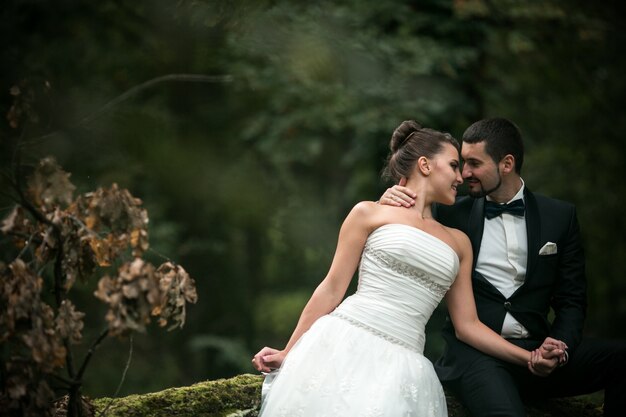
(247, 178)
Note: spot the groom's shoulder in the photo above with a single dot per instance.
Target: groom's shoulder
(460, 201)
(551, 203)
(464, 201)
(461, 204)
(455, 214)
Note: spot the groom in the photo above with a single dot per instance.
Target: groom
(528, 259)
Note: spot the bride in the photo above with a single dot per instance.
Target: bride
(364, 356)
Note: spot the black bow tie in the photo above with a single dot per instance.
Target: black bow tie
(493, 209)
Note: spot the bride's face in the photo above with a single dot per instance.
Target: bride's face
(445, 175)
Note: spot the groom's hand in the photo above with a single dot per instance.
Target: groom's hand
(540, 366)
(398, 195)
(547, 357)
(552, 348)
(267, 359)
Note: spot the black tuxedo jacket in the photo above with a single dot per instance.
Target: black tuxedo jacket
(554, 281)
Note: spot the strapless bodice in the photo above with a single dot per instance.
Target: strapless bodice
(403, 275)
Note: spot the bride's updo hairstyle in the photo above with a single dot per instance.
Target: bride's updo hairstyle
(409, 142)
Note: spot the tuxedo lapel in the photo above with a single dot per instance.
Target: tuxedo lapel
(533, 232)
(476, 225)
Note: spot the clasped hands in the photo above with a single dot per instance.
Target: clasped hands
(542, 362)
(547, 357)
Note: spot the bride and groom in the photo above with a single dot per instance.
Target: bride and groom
(501, 258)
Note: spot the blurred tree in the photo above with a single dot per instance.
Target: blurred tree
(247, 181)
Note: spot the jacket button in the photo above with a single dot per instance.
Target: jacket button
(507, 306)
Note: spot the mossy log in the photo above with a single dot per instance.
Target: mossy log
(240, 396)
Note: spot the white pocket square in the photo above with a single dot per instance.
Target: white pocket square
(548, 249)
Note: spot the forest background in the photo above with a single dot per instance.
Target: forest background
(248, 167)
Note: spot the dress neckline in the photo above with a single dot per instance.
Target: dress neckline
(441, 242)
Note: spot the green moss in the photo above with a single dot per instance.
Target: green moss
(240, 397)
(220, 398)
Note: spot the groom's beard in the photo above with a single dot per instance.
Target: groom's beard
(482, 192)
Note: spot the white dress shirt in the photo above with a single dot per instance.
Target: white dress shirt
(502, 259)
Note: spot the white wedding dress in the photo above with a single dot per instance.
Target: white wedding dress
(366, 357)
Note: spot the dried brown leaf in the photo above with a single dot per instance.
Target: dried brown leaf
(50, 186)
(69, 322)
(177, 288)
(113, 208)
(46, 250)
(119, 215)
(20, 292)
(78, 260)
(101, 251)
(139, 241)
(131, 296)
(45, 343)
(27, 393)
(17, 223)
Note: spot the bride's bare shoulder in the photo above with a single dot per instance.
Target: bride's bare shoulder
(369, 214)
(366, 207)
(462, 243)
(364, 211)
(371, 208)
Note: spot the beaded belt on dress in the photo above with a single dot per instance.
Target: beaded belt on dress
(375, 332)
(409, 271)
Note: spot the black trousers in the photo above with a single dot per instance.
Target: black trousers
(491, 387)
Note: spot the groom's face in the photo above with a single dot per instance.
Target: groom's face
(480, 172)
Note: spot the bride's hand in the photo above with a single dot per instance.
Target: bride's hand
(267, 359)
(540, 366)
(398, 195)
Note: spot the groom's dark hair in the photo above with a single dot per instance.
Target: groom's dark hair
(501, 137)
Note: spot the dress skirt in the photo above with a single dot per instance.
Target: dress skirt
(341, 367)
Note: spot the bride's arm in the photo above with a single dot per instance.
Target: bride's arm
(469, 329)
(329, 293)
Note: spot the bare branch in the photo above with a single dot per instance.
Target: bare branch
(119, 386)
(9, 196)
(90, 353)
(68, 383)
(160, 255)
(28, 239)
(195, 78)
(8, 178)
